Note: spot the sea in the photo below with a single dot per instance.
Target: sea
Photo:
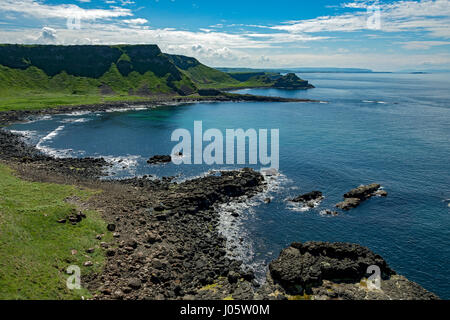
(388, 128)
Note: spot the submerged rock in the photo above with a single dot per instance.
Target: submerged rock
(159, 159)
(328, 212)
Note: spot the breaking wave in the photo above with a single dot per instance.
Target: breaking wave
(234, 215)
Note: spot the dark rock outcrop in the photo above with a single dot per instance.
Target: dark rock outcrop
(159, 159)
(356, 196)
(291, 81)
(209, 92)
(311, 196)
(321, 270)
(363, 192)
(349, 203)
(310, 263)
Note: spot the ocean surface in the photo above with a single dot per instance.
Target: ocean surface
(393, 129)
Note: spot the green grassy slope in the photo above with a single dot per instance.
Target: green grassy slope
(35, 250)
(206, 78)
(39, 76)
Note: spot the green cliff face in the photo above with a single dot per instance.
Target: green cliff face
(38, 76)
(124, 69)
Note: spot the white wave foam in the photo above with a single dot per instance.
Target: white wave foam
(57, 153)
(78, 113)
(302, 206)
(233, 216)
(52, 134)
(28, 134)
(122, 164)
(128, 108)
(38, 118)
(79, 120)
(374, 101)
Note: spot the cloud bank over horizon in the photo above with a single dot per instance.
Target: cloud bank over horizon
(380, 35)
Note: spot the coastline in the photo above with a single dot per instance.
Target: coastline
(166, 243)
(11, 116)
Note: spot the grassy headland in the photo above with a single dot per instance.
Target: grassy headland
(35, 250)
(36, 77)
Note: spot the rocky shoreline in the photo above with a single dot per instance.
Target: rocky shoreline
(13, 116)
(166, 243)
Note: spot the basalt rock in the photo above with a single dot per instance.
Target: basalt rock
(338, 271)
(349, 203)
(355, 197)
(159, 159)
(13, 148)
(314, 195)
(363, 192)
(310, 263)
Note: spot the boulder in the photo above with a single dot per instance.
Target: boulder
(159, 159)
(356, 196)
(311, 196)
(349, 203)
(134, 283)
(363, 192)
(307, 264)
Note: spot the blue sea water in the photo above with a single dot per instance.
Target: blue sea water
(393, 129)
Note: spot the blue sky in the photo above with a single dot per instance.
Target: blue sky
(380, 35)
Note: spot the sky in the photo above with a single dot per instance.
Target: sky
(373, 34)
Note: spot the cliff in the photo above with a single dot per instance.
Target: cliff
(291, 81)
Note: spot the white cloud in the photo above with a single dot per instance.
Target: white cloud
(432, 16)
(286, 44)
(38, 10)
(47, 36)
(415, 45)
(136, 21)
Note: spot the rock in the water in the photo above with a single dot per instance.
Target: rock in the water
(363, 192)
(339, 271)
(310, 263)
(356, 196)
(381, 193)
(349, 203)
(328, 212)
(159, 159)
(314, 196)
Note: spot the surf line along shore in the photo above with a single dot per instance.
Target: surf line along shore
(177, 251)
(213, 153)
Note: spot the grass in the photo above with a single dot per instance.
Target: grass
(208, 78)
(35, 250)
(32, 89)
(40, 100)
